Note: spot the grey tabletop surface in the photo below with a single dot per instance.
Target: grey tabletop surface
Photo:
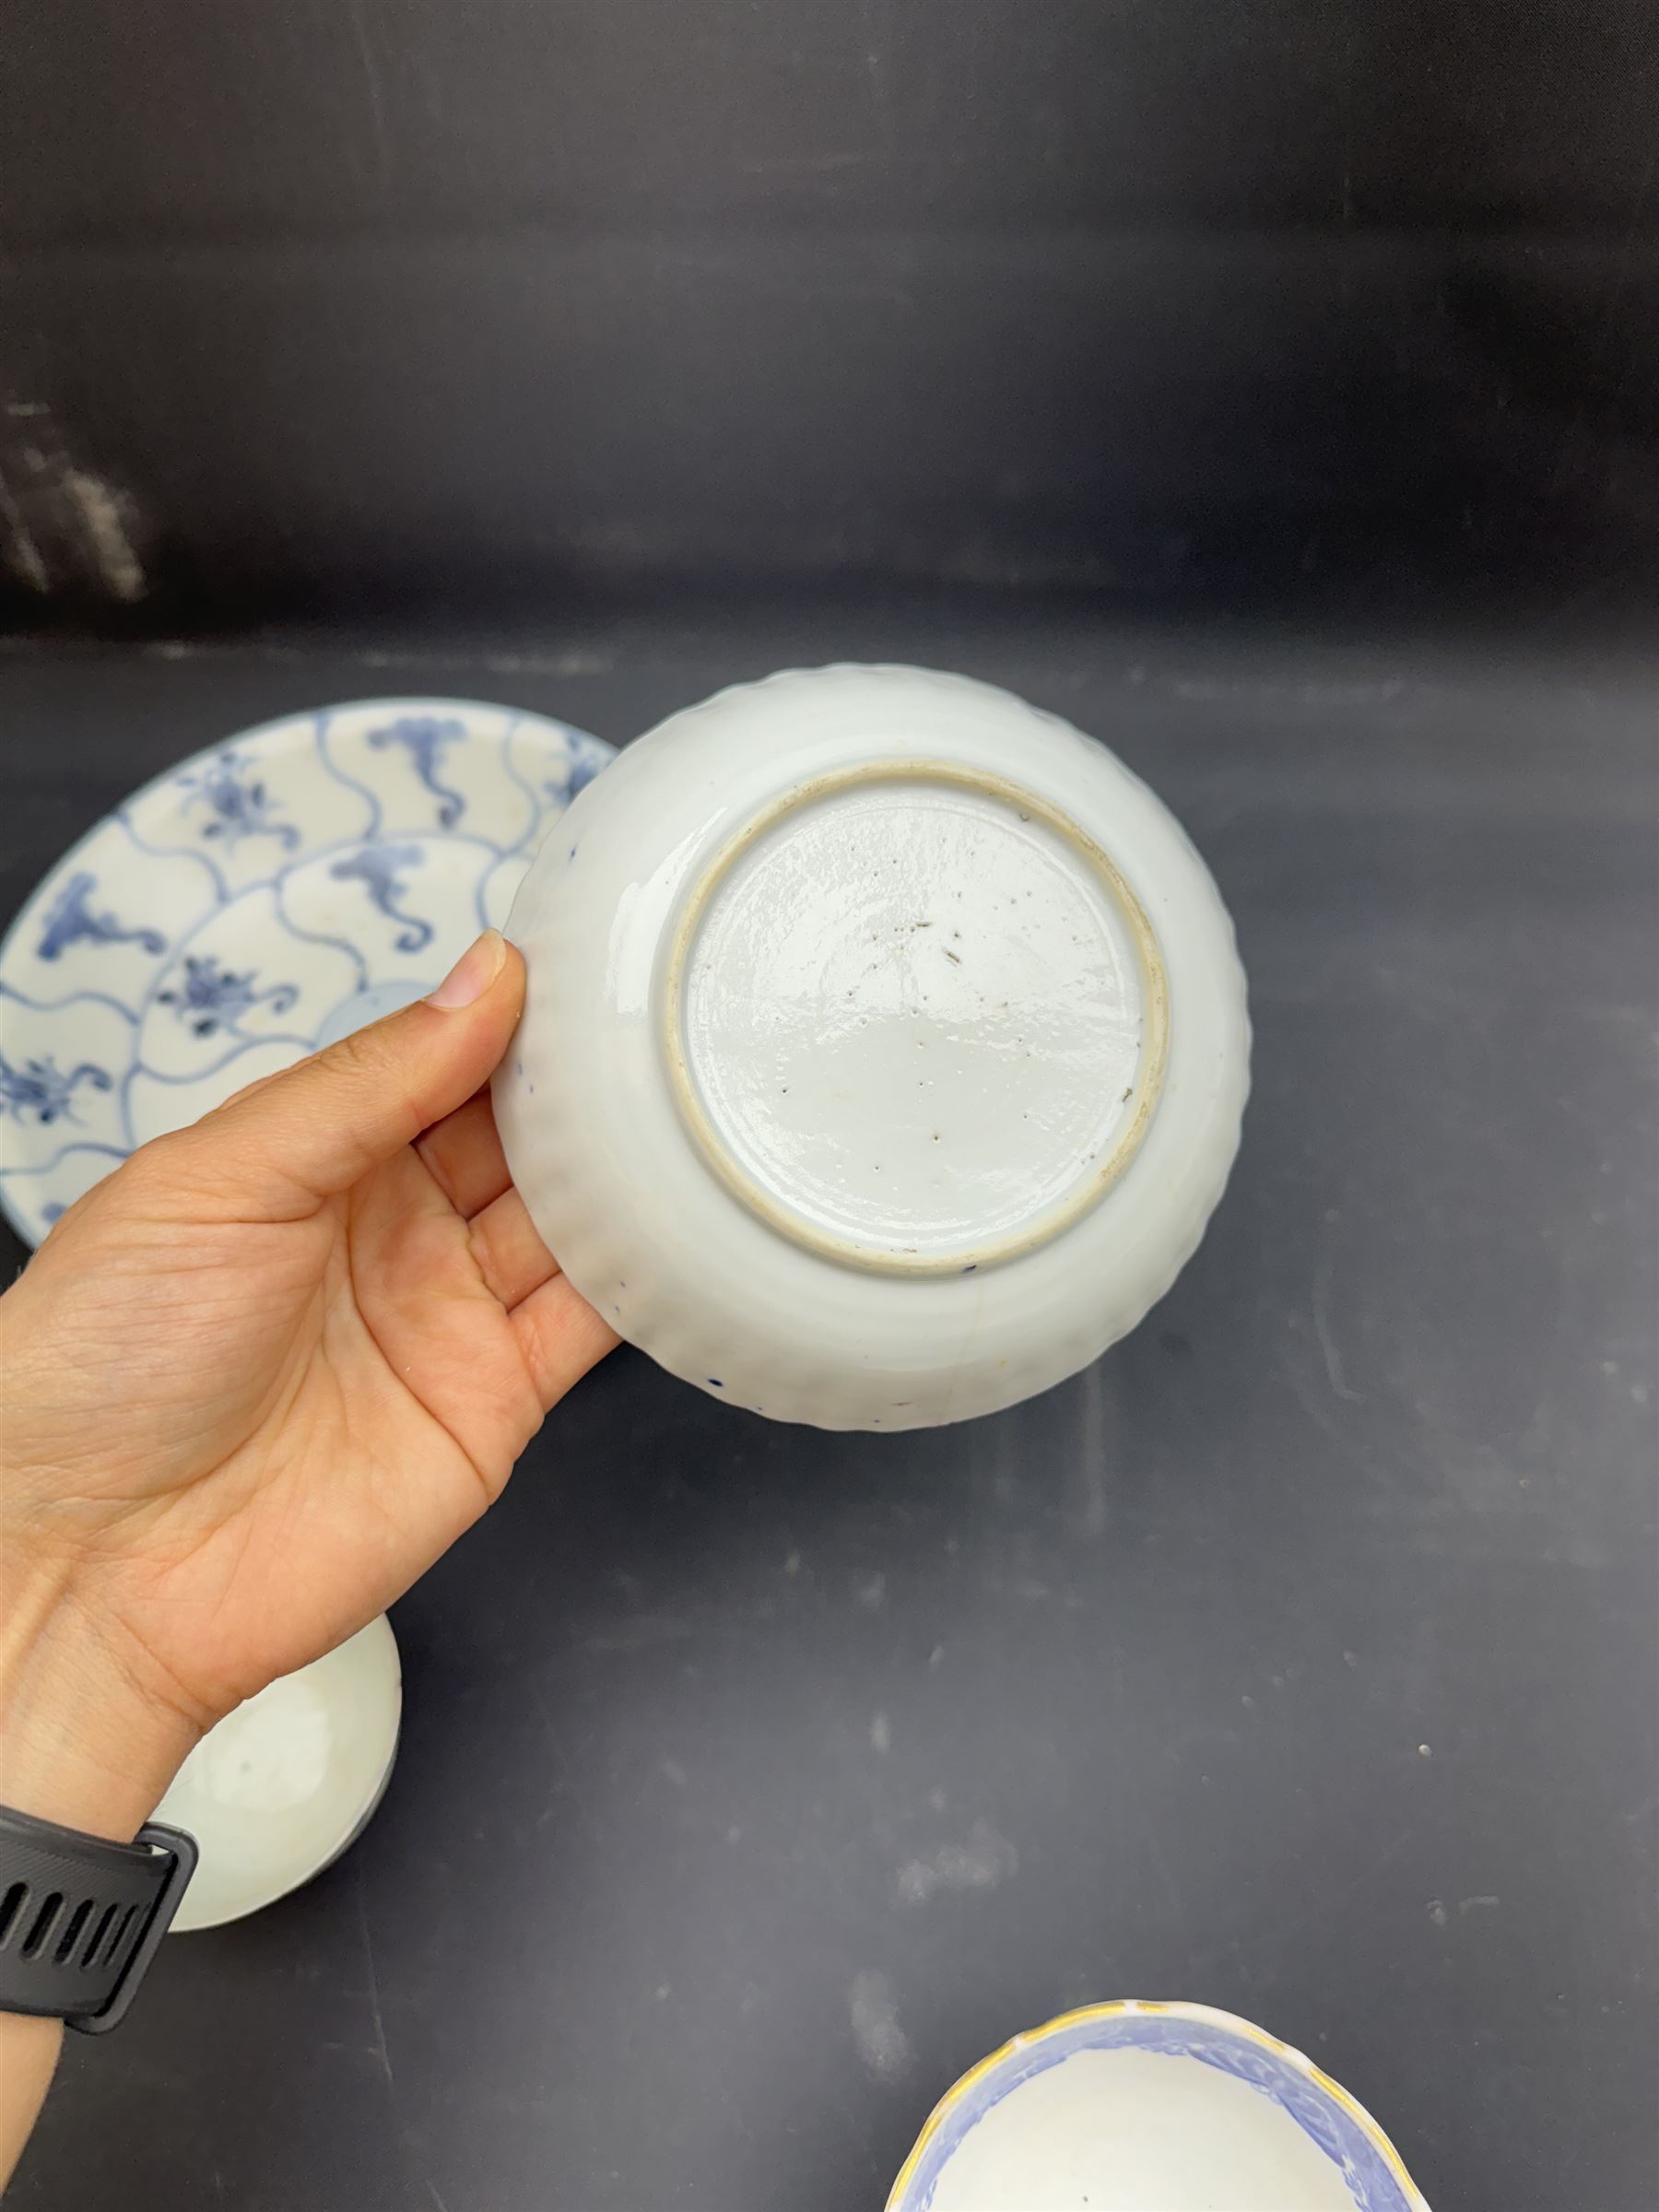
(1299, 1658)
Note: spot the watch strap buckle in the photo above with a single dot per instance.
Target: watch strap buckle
(180, 1849)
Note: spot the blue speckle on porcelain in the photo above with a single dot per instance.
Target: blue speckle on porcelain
(266, 872)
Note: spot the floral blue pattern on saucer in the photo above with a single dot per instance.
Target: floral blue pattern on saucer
(250, 905)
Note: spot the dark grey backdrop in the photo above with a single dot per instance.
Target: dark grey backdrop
(1301, 1656)
(349, 303)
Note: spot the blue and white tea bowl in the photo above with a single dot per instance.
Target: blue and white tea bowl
(1151, 2107)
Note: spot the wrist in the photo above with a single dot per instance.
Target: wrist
(81, 1742)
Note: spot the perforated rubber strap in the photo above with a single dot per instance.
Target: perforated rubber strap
(81, 1918)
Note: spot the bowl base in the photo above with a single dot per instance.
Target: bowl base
(915, 1017)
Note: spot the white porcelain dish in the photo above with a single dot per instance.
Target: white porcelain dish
(1151, 2107)
(288, 1780)
(254, 903)
(885, 1049)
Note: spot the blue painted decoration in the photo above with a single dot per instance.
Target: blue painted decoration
(39, 1090)
(381, 869)
(587, 756)
(1371, 2182)
(70, 920)
(238, 803)
(426, 737)
(209, 998)
(292, 795)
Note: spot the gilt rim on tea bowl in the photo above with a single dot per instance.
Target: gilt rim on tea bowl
(1369, 2168)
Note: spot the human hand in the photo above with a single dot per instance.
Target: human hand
(254, 1384)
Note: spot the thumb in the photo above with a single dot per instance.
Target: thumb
(312, 1131)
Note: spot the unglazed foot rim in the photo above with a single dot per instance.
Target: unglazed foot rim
(1084, 1192)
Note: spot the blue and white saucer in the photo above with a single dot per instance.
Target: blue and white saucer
(250, 905)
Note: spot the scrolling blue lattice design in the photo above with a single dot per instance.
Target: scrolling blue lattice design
(70, 920)
(261, 800)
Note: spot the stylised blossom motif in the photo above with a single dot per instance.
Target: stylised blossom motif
(208, 998)
(39, 1090)
(237, 803)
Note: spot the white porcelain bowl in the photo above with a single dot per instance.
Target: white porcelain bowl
(285, 1783)
(1151, 2107)
(885, 1048)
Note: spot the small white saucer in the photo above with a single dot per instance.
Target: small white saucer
(250, 905)
(279, 1789)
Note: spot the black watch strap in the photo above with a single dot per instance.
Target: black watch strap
(81, 1918)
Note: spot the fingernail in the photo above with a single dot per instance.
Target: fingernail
(472, 974)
